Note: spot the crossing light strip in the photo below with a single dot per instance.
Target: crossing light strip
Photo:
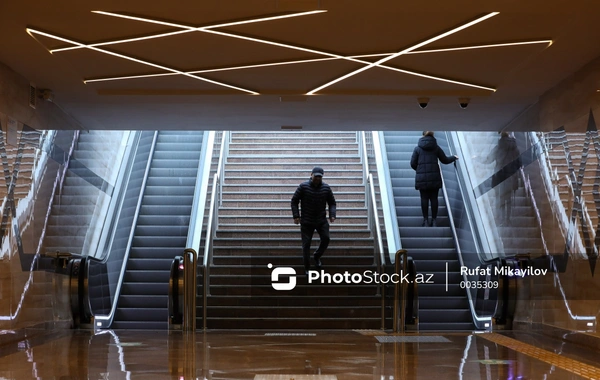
(308, 50)
(208, 29)
(242, 67)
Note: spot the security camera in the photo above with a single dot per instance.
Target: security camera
(463, 102)
(423, 102)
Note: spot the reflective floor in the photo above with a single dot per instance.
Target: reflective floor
(70, 354)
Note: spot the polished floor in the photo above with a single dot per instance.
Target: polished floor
(325, 355)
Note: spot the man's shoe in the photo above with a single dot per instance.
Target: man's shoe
(432, 223)
(425, 223)
(318, 263)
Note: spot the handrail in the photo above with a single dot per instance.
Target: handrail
(175, 301)
(373, 216)
(116, 201)
(477, 320)
(190, 267)
(194, 236)
(106, 320)
(362, 151)
(371, 202)
(390, 218)
(450, 216)
(375, 220)
(474, 217)
(538, 218)
(213, 215)
(400, 290)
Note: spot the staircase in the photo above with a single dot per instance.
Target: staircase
(430, 247)
(75, 208)
(522, 233)
(161, 231)
(256, 228)
(562, 148)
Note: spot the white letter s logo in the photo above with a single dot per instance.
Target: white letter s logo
(291, 272)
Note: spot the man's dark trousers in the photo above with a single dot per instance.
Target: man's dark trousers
(307, 231)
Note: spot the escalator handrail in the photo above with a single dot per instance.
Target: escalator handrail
(371, 202)
(194, 236)
(480, 322)
(215, 198)
(390, 218)
(106, 320)
(116, 202)
(469, 201)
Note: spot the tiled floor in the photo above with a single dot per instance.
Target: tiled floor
(69, 354)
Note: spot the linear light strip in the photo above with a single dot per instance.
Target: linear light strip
(442, 50)
(122, 41)
(325, 59)
(186, 30)
(29, 30)
(190, 29)
(368, 64)
(379, 62)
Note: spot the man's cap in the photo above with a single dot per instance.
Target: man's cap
(318, 171)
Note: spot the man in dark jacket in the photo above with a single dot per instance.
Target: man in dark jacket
(428, 179)
(314, 196)
(505, 179)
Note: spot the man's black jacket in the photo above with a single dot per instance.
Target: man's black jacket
(314, 200)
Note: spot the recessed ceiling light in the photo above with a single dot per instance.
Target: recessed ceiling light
(379, 62)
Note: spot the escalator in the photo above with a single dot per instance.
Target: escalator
(432, 248)
(161, 230)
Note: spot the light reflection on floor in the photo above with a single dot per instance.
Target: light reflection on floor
(70, 354)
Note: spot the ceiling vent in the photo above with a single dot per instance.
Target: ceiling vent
(32, 95)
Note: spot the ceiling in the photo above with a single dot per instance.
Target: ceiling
(267, 98)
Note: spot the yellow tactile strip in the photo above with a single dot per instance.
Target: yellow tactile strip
(571, 365)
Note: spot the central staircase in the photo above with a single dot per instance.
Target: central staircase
(256, 228)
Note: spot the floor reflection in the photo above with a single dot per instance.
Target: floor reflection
(322, 355)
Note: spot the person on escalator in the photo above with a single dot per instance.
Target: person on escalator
(505, 179)
(428, 179)
(313, 196)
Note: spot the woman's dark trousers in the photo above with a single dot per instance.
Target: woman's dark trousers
(429, 196)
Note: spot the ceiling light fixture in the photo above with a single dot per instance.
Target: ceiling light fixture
(103, 79)
(443, 50)
(379, 62)
(30, 31)
(337, 56)
(186, 30)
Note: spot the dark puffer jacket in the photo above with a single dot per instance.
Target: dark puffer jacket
(425, 161)
(314, 200)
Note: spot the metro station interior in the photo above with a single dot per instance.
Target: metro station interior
(150, 153)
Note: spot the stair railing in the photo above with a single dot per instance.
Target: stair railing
(371, 203)
(536, 210)
(373, 218)
(213, 220)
